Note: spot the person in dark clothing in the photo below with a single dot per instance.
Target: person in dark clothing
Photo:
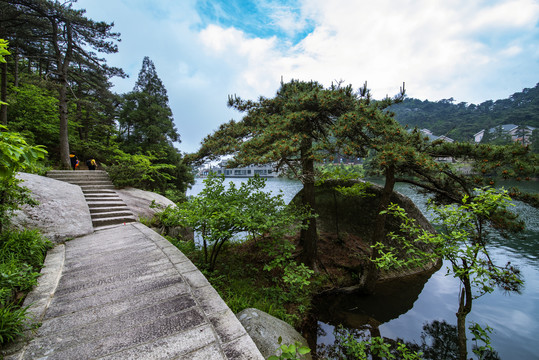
(92, 164)
(74, 160)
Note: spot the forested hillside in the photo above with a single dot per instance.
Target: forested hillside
(461, 121)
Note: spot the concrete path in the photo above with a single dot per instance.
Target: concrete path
(127, 293)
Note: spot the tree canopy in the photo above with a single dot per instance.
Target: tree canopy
(62, 42)
(145, 118)
(293, 130)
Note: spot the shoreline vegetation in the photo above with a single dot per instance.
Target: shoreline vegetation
(243, 282)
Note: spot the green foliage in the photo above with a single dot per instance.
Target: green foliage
(3, 52)
(351, 174)
(291, 351)
(481, 335)
(462, 240)
(27, 246)
(461, 121)
(139, 171)
(295, 276)
(219, 214)
(21, 257)
(12, 322)
(376, 347)
(16, 154)
(15, 276)
(146, 122)
(33, 112)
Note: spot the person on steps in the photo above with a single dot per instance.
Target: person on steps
(74, 160)
(92, 164)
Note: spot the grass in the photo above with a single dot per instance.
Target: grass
(21, 257)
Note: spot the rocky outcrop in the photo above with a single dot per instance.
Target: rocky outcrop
(62, 212)
(345, 225)
(139, 201)
(265, 331)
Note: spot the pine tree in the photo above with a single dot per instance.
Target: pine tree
(146, 122)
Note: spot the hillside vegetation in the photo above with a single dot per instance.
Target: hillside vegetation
(460, 121)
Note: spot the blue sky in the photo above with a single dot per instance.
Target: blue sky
(204, 50)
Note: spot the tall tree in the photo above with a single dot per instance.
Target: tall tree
(67, 37)
(146, 122)
(292, 130)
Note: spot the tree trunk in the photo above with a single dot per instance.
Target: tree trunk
(64, 140)
(465, 307)
(3, 94)
(16, 68)
(308, 236)
(63, 69)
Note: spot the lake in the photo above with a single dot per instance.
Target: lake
(401, 310)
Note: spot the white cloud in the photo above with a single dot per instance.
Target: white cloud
(469, 50)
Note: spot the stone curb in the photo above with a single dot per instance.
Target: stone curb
(234, 340)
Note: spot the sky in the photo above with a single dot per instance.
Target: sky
(204, 50)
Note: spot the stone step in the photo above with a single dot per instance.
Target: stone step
(101, 204)
(118, 213)
(89, 182)
(101, 195)
(112, 221)
(92, 191)
(94, 187)
(108, 209)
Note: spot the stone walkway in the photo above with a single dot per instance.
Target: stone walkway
(126, 293)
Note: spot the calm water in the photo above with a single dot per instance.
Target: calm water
(401, 310)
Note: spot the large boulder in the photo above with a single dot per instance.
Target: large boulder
(265, 331)
(62, 212)
(346, 225)
(139, 201)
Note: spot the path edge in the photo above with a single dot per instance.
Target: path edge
(38, 300)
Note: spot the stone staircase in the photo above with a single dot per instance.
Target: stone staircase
(106, 207)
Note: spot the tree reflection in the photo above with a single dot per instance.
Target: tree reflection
(439, 341)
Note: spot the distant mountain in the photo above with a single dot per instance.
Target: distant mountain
(461, 121)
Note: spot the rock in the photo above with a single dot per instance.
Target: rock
(265, 331)
(345, 227)
(62, 212)
(139, 201)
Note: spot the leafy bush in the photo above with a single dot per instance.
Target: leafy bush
(28, 247)
(12, 320)
(21, 256)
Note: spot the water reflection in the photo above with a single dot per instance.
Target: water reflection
(438, 341)
(392, 299)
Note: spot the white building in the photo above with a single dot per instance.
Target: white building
(518, 133)
(243, 172)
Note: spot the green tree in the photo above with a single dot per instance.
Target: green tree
(219, 213)
(3, 85)
(463, 240)
(400, 155)
(15, 155)
(292, 130)
(496, 136)
(66, 38)
(146, 122)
